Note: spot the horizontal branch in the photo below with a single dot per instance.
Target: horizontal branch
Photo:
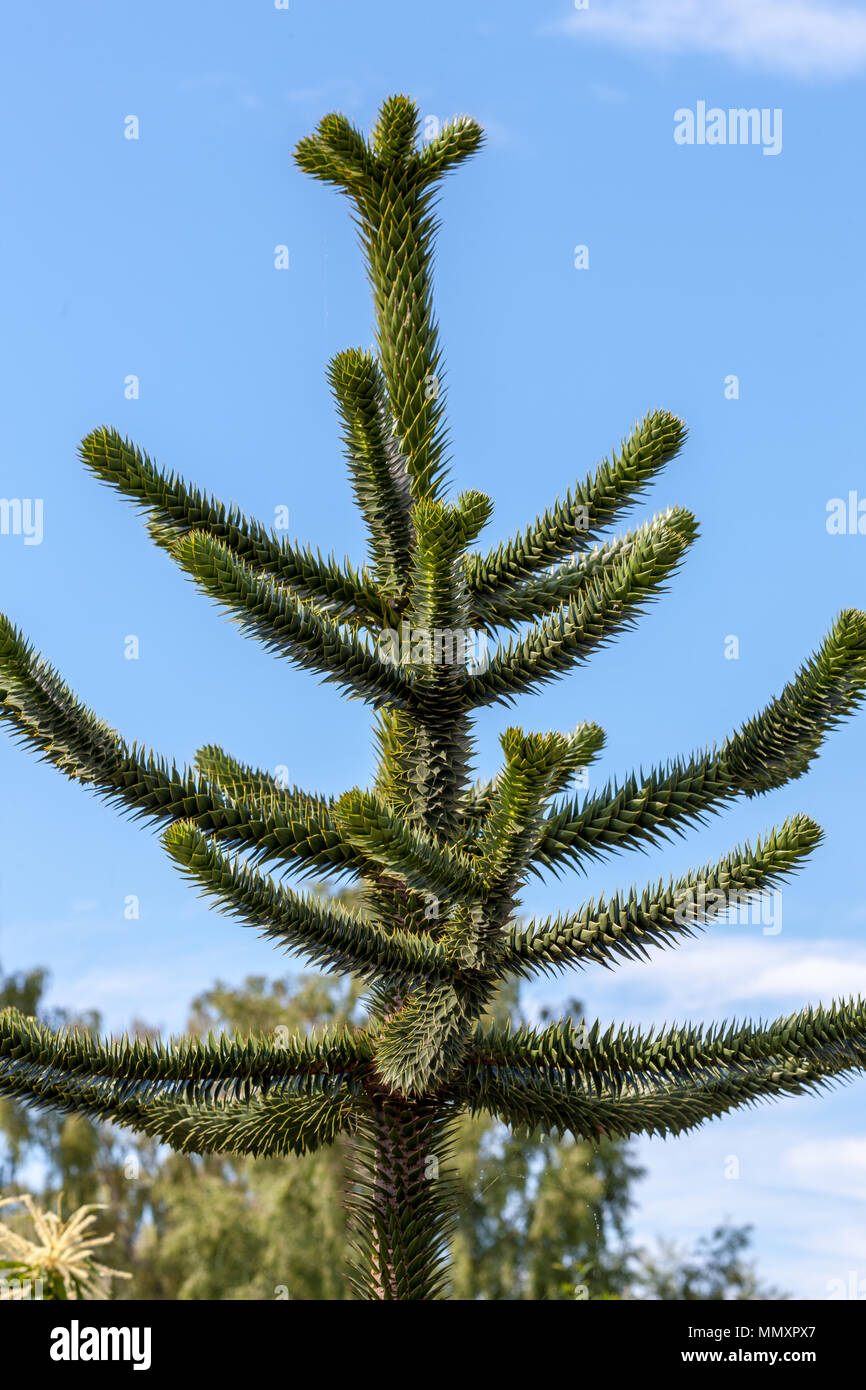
(616, 1057)
(223, 1067)
(605, 1086)
(425, 1038)
(300, 1116)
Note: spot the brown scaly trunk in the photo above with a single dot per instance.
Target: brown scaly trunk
(400, 1205)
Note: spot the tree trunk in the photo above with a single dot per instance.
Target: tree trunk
(400, 1205)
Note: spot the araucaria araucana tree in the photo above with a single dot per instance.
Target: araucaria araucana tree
(441, 860)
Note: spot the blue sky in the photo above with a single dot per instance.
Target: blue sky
(155, 258)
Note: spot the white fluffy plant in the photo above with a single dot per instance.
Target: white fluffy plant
(59, 1263)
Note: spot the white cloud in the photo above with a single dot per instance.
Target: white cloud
(804, 37)
(801, 1196)
(704, 975)
(836, 1166)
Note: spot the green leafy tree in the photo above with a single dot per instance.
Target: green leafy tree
(717, 1269)
(441, 861)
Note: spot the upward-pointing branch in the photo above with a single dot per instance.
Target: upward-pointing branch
(46, 715)
(611, 602)
(574, 524)
(174, 509)
(391, 182)
(330, 936)
(378, 470)
(661, 916)
(286, 625)
(775, 747)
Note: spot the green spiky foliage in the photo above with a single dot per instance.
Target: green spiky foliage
(440, 861)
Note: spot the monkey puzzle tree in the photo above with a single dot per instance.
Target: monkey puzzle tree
(441, 861)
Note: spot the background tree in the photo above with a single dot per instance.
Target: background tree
(715, 1269)
(536, 1220)
(442, 863)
